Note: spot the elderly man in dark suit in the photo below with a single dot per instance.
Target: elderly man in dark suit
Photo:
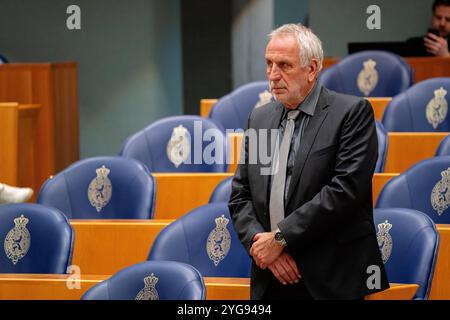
(309, 224)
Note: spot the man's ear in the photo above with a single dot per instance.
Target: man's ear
(313, 70)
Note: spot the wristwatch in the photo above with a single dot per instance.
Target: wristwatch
(279, 238)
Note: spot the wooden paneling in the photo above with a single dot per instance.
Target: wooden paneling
(105, 247)
(179, 193)
(55, 287)
(378, 106)
(407, 148)
(429, 67)
(54, 88)
(17, 144)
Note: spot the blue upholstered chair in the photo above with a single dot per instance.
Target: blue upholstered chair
(222, 191)
(204, 238)
(35, 239)
(232, 110)
(444, 147)
(356, 74)
(102, 188)
(167, 145)
(382, 147)
(409, 243)
(422, 108)
(151, 280)
(3, 59)
(422, 187)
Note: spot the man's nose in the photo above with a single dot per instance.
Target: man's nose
(274, 73)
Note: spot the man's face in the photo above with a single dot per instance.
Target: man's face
(290, 82)
(441, 20)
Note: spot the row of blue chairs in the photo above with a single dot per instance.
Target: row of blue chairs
(420, 108)
(202, 243)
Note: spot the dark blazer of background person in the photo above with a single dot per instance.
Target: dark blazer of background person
(328, 221)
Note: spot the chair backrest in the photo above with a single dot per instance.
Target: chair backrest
(232, 110)
(368, 74)
(444, 147)
(35, 239)
(170, 145)
(102, 188)
(382, 147)
(409, 243)
(151, 280)
(422, 187)
(222, 191)
(422, 108)
(3, 60)
(204, 238)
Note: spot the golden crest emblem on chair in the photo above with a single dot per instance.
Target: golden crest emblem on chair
(264, 98)
(437, 108)
(18, 240)
(368, 77)
(149, 291)
(100, 189)
(440, 196)
(384, 240)
(219, 241)
(179, 146)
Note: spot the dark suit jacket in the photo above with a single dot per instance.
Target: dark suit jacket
(328, 221)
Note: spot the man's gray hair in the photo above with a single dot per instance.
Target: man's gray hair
(309, 44)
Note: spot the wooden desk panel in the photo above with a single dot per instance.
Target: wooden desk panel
(107, 246)
(54, 87)
(407, 148)
(378, 105)
(423, 67)
(17, 144)
(179, 193)
(54, 287)
(429, 67)
(378, 182)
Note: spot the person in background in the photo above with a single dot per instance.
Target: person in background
(9, 194)
(435, 42)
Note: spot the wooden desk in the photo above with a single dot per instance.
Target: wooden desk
(378, 105)
(107, 246)
(179, 193)
(404, 149)
(17, 144)
(54, 87)
(407, 148)
(54, 287)
(429, 67)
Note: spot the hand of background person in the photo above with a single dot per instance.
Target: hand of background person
(285, 269)
(436, 45)
(265, 249)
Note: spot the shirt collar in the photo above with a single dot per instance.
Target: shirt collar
(308, 105)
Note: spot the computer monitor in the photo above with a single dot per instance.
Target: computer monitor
(398, 47)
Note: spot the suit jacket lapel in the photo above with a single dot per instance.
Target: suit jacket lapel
(307, 141)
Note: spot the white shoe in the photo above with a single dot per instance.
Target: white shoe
(10, 194)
